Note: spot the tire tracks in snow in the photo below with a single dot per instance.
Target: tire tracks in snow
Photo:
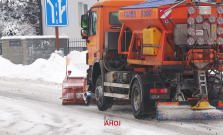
(53, 118)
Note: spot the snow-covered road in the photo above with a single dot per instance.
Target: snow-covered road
(34, 107)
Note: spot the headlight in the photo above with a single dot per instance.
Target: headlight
(190, 41)
(220, 20)
(191, 31)
(191, 20)
(212, 19)
(210, 41)
(220, 41)
(199, 19)
(200, 41)
(191, 10)
(220, 10)
(205, 25)
(220, 30)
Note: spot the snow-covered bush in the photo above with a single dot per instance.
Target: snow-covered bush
(19, 18)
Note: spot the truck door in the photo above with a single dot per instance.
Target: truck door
(92, 40)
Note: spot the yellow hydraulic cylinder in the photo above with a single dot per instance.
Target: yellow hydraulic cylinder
(203, 105)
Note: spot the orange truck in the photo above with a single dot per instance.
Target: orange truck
(156, 53)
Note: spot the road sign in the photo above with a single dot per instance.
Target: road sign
(56, 13)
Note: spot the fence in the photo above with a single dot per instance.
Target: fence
(77, 44)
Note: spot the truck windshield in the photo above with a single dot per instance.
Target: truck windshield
(114, 18)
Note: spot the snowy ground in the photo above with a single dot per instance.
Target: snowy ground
(30, 104)
(34, 107)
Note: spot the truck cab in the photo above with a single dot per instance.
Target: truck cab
(101, 29)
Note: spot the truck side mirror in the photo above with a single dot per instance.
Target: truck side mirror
(84, 21)
(84, 34)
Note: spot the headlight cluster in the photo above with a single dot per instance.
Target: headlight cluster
(219, 30)
(190, 41)
(220, 10)
(210, 41)
(191, 10)
(220, 41)
(206, 23)
(212, 19)
(191, 20)
(199, 19)
(200, 41)
(191, 31)
(219, 22)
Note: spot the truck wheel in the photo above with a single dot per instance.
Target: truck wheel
(214, 92)
(214, 85)
(103, 103)
(136, 101)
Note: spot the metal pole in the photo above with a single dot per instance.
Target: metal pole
(57, 38)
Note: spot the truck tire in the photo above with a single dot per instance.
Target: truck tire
(103, 103)
(136, 101)
(214, 85)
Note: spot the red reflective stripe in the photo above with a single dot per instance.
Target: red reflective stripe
(220, 104)
(151, 91)
(193, 98)
(172, 103)
(159, 91)
(159, 103)
(168, 103)
(155, 91)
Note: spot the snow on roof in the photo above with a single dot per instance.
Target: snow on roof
(32, 37)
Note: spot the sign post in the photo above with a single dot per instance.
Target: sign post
(57, 38)
(56, 16)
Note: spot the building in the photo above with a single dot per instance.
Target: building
(75, 9)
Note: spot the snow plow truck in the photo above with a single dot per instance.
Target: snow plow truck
(162, 55)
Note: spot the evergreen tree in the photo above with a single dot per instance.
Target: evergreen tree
(19, 17)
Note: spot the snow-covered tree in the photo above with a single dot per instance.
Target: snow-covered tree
(19, 17)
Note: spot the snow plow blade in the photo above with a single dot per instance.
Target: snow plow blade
(74, 91)
(187, 110)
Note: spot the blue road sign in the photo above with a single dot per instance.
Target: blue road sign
(56, 13)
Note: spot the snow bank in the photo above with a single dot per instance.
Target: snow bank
(52, 70)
